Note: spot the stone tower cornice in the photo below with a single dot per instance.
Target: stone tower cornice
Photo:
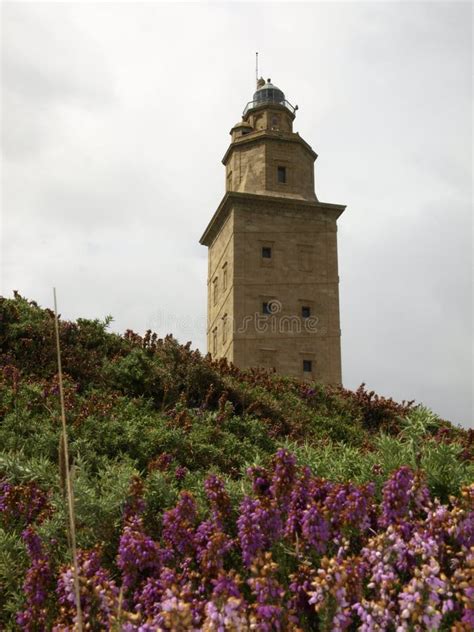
(233, 199)
(264, 135)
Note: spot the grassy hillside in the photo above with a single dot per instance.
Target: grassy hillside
(179, 463)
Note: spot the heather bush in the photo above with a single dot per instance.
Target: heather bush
(299, 552)
(27, 342)
(444, 464)
(224, 497)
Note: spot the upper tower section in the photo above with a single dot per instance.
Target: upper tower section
(265, 155)
(269, 110)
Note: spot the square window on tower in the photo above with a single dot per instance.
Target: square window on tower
(275, 123)
(281, 172)
(266, 252)
(305, 311)
(307, 366)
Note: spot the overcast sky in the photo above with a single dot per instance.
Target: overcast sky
(115, 120)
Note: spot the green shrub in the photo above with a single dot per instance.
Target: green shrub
(143, 407)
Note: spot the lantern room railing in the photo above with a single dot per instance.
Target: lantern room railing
(269, 101)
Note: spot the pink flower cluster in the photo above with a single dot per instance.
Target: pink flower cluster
(299, 553)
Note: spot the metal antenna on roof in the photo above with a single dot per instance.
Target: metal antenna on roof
(256, 69)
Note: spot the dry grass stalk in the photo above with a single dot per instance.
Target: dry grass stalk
(66, 472)
(119, 610)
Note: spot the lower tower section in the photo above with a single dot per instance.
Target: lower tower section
(273, 286)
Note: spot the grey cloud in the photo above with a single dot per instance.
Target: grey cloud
(47, 65)
(116, 117)
(51, 59)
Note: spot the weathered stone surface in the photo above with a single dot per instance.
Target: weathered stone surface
(273, 247)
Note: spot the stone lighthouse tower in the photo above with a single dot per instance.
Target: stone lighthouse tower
(273, 285)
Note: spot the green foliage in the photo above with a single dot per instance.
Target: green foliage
(446, 471)
(100, 500)
(27, 341)
(161, 492)
(18, 468)
(137, 374)
(13, 564)
(149, 407)
(336, 461)
(445, 468)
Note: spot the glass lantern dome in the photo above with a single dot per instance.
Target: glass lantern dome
(267, 93)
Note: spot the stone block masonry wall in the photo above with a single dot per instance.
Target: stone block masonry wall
(302, 273)
(220, 308)
(273, 285)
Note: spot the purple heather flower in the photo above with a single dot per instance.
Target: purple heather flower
(259, 525)
(218, 497)
(283, 478)
(36, 586)
(396, 496)
(181, 473)
(99, 594)
(465, 531)
(179, 525)
(212, 545)
(315, 529)
(138, 554)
